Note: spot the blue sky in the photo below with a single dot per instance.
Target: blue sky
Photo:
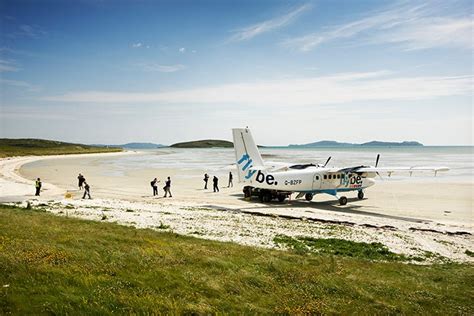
(293, 71)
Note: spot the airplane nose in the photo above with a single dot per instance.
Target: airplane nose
(370, 182)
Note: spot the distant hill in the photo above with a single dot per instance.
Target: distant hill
(142, 145)
(391, 144)
(134, 146)
(38, 147)
(323, 143)
(331, 143)
(206, 143)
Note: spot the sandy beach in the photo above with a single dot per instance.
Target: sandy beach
(432, 218)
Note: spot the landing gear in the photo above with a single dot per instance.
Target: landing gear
(360, 195)
(265, 197)
(342, 200)
(281, 198)
(308, 196)
(247, 192)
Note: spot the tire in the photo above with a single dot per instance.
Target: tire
(267, 197)
(342, 200)
(247, 191)
(360, 195)
(281, 198)
(308, 196)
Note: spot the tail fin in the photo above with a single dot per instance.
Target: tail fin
(246, 154)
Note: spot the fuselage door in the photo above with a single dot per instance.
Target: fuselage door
(316, 181)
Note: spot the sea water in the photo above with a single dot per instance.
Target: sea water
(460, 159)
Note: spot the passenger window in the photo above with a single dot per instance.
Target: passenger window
(325, 176)
(339, 176)
(317, 178)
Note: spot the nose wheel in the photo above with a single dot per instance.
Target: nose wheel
(342, 200)
(308, 196)
(360, 195)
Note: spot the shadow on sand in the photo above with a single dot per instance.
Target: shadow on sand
(332, 206)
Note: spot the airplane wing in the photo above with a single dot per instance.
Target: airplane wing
(391, 170)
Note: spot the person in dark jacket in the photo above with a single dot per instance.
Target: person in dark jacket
(206, 178)
(81, 180)
(167, 187)
(38, 187)
(215, 181)
(154, 185)
(231, 177)
(86, 190)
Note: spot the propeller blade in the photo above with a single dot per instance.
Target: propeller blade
(327, 161)
(377, 160)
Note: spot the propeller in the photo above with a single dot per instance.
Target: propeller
(327, 161)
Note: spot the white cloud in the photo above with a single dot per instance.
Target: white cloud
(182, 50)
(152, 67)
(20, 84)
(416, 27)
(6, 65)
(137, 45)
(28, 30)
(251, 31)
(335, 89)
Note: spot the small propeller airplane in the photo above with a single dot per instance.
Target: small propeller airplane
(273, 180)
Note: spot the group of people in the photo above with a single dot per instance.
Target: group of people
(215, 182)
(82, 183)
(166, 188)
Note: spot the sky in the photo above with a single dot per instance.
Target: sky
(113, 72)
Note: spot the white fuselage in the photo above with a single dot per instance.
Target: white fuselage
(311, 179)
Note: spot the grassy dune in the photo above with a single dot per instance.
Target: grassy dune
(39, 147)
(51, 264)
(207, 143)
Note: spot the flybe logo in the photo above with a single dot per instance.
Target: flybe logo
(245, 162)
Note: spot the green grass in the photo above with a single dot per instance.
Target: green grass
(341, 247)
(62, 265)
(40, 147)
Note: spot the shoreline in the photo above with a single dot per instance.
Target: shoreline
(12, 183)
(228, 217)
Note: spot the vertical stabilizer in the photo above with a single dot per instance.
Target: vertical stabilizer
(246, 154)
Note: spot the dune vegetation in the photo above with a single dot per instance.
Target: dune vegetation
(61, 265)
(207, 143)
(10, 147)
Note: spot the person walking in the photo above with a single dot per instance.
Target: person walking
(215, 181)
(154, 185)
(81, 180)
(206, 178)
(167, 187)
(38, 187)
(231, 177)
(86, 190)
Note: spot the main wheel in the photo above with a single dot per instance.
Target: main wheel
(281, 198)
(267, 197)
(360, 195)
(342, 200)
(247, 191)
(308, 196)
